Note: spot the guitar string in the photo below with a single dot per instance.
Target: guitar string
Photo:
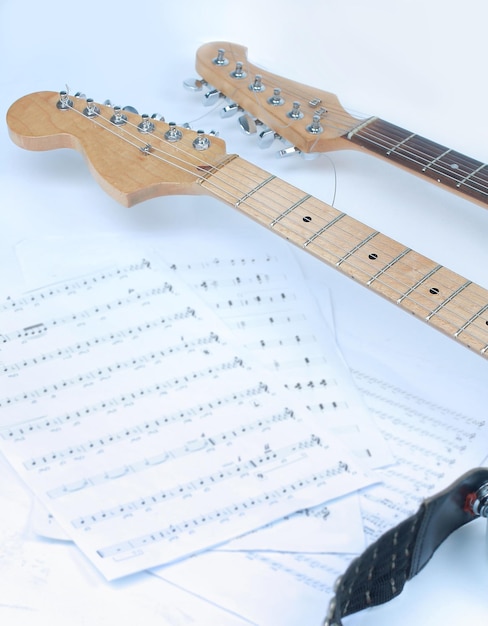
(428, 311)
(342, 128)
(380, 251)
(248, 201)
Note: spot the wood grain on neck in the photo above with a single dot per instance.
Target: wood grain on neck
(445, 300)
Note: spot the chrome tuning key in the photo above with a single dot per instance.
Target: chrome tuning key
(276, 100)
(211, 97)
(257, 85)
(146, 125)
(91, 109)
(295, 113)
(220, 58)
(315, 127)
(173, 134)
(230, 109)
(238, 72)
(248, 124)
(266, 136)
(194, 84)
(201, 142)
(118, 118)
(64, 103)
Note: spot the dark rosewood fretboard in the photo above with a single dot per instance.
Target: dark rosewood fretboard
(422, 156)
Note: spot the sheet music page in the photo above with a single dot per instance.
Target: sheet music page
(433, 446)
(256, 287)
(144, 429)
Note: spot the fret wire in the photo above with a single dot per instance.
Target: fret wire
(481, 167)
(420, 282)
(414, 158)
(375, 138)
(400, 143)
(471, 320)
(388, 266)
(427, 311)
(447, 300)
(343, 125)
(290, 209)
(323, 229)
(253, 191)
(257, 209)
(246, 197)
(357, 247)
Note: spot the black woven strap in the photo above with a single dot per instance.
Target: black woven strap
(381, 571)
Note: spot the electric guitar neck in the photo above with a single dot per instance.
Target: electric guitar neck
(314, 121)
(135, 158)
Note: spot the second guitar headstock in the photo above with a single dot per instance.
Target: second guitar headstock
(309, 119)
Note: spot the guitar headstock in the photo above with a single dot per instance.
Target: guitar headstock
(310, 119)
(133, 157)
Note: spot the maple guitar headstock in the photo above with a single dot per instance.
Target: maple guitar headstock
(132, 157)
(310, 119)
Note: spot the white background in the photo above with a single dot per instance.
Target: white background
(419, 64)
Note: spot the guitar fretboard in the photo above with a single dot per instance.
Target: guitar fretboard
(422, 156)
(435, 294)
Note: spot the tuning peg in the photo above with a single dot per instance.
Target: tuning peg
(201, 142)
(276, 100)
(158, 117)
(108, 103)
(286, 152)
(130, 109)
(295, 113)
(230, 109)
(220, 58)
(248, 124)
(315, 127)
(211, 97)
(194, 84)
(80, 95)
(239, 71)
(266, 137)
(146, 125)
(292, 150)
(257, 85)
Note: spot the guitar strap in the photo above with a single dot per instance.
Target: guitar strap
(381, 571)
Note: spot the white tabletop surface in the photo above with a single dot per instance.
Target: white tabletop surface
(421, 65)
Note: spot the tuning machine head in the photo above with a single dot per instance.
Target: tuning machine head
(194, 84)
(230, 109)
